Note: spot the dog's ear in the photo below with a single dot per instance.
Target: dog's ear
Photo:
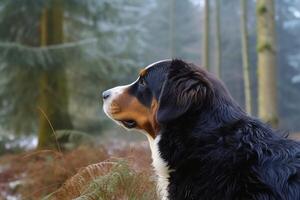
(185, 88)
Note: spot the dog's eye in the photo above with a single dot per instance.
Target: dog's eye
(142, 82)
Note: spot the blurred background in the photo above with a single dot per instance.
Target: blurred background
(57, 56)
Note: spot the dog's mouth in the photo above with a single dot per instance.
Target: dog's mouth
(129, 123)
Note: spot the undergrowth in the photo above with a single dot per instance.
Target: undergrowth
(83, 173)
(106, 181)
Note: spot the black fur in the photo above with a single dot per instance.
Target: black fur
(215, 149)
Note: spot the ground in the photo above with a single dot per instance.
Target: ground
(114, 170)
(117, 170)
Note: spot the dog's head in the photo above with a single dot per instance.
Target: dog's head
(164, 91)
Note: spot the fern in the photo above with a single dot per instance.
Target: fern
(106, 181)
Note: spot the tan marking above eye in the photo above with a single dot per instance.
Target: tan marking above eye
(143, 72)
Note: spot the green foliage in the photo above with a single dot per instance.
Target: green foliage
(107, 40)
(99, 43)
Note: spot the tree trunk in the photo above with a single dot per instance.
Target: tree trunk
(172, 29)
(266, 50)
(205, 40)
(244, 38)
(218, 39)
(53, 93)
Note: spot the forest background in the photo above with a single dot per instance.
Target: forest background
(57, 56)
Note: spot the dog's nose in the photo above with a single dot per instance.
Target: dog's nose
(106, 94)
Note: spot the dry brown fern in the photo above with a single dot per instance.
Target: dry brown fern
(106, 181)
(45, 172)
(74, 186)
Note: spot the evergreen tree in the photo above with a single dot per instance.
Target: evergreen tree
(60, 44)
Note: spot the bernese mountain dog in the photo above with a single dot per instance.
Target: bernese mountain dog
(204, 146)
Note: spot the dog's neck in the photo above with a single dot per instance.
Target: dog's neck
(198, 125)
(219, 115)
(206, 119)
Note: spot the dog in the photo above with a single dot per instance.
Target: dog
(204, 146)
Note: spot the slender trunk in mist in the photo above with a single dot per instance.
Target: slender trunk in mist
(266, 50)
(244, 38)
(53, 94)
(218, 39)
(205, 39)
(172, 29)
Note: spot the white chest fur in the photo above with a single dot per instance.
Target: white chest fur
(161, 168)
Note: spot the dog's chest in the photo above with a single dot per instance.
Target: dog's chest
(161, 168)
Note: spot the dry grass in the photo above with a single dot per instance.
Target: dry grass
(103, 173)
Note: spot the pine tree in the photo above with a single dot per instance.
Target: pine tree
(43, 55)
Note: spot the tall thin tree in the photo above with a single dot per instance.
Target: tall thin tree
(172, 29)
(53, 93)
(218, 38)
(266, 50)
(244, 40)
(205, 39)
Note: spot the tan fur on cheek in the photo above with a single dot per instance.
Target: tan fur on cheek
(131, 109)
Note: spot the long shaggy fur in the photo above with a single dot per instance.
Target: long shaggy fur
(214, 149)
